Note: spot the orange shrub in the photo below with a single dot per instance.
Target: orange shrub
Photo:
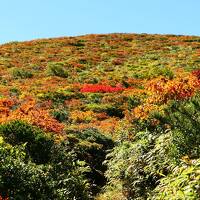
(80, 116)
(29, 112)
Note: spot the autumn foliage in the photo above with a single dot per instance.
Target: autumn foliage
(134, 74)
(116, 84)
(31, 112)
(101, 88)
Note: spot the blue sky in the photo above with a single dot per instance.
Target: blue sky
(30, 19)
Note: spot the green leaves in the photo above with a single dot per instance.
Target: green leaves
(182, 183)
(184, 118)
(38, 144)
(62, 176)
(19, 73)
(57, 69)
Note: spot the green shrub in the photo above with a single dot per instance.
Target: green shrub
(78, 43)
(110, 110)
(57, 69)
(22, 179)
(14, 92)
(60, 115)
(136, 167)
(114, 111)
(96, 107)
(133, 101)
(182, 183)
(91, 146)
(153, 72)
(184, 118)
(57, 96)
(21, 74)
(94, 98)
(38, 144)
(64, 163)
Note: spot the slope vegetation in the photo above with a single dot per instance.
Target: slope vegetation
(112, 116)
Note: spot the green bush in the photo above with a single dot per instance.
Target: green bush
(38, 144)
(91, 146)
(143, 168)
(40, 168)
(22, 179)
(14, 92)
(110, 110)
(60, 115)
(21, 74)
(78, 43)
(133, 101)
(57, 69)
(153, 72)
(123, 161)
(182, 183)
(136, 167)
(59, 96)
(184, 118)
(94, 98)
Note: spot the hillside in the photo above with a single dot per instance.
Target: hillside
(66, 102)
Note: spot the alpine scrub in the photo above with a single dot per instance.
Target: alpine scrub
(108, 116)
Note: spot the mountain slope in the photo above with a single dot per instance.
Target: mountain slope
(58, 68)
(116, 115)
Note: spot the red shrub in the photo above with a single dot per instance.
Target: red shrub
(196, 73)
(95, 88)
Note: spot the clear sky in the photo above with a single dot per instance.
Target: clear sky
(30, 19)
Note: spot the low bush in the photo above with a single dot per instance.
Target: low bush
(135, 168)
(95, 88)
(60, 115)
(14, 92)
(21, 73)
(182, 183)
(57, 69)
(184, 119)
(153, 72)
(38, 144)
(57, 96)
(23, 179)
(110, 110)
(91, 146)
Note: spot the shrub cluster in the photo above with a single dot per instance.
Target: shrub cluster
(95, 88)
(18, 73)
(57, 69)
(161, 162)
(35, 166)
